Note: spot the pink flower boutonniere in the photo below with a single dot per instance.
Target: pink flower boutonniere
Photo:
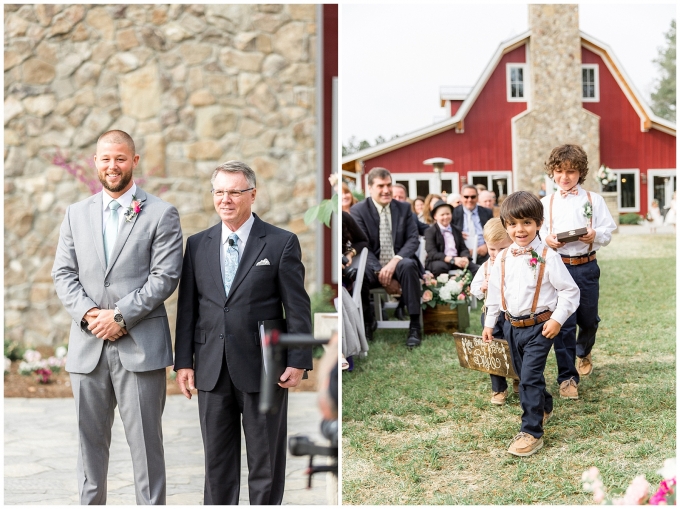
(134, 209)
(535, 260)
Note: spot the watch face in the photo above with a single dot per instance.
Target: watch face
(118, 318)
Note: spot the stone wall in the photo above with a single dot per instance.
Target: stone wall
(555, 115)
(195, 85)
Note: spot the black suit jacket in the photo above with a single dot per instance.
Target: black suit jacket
(457, 221)
(404, 230)
(434, 244)
(208, 323)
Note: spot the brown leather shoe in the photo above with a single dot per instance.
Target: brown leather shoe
(569, 389)
(515, 386)
(498, 398)
(525, 445)
(547, 417)
(584, 365)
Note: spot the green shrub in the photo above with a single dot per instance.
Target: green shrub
(630, 218)
(14, 351)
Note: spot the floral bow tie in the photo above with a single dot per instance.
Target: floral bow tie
(573, 190)
(521, 251)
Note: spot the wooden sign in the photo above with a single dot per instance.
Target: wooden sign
(492, 358)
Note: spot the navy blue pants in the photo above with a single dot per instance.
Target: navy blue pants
(529, 351)
(567, 345)
(498, 383)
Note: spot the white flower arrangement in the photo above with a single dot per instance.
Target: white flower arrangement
(34, 363)
(604, 175)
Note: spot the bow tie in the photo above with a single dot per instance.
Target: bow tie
(521, 251)
(573, 190)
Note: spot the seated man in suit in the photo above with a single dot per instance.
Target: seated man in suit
(399, 194)
(470, 219)
(392, 244)
(444, 243)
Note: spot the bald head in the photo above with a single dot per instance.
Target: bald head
(118, 137)
(487, 199)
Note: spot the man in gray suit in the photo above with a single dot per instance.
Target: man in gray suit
(119, 258)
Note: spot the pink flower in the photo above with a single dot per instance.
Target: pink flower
(136, 207)
(659, 498)
(427, 296)
(431, 282)
(533, 262)
(637, 492)
(461, 296)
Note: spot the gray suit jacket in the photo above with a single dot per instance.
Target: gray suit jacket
(144, 270)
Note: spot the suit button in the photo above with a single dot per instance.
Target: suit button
(221, 336)
(226, 309)
(107, 284)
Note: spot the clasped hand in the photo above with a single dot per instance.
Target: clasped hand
(100, 323)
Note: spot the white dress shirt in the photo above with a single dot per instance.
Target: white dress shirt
(243, 233)
(567, 214)
(559, 292)
(480, 276)
(125, 201)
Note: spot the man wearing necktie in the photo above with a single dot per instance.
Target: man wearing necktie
(470, 219)
(237, 273)
(118, 259)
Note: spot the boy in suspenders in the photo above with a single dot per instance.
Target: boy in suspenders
(496, 239)
(530, 284)
(569, 208)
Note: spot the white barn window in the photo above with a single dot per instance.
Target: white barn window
(590, 83)
(517, 82)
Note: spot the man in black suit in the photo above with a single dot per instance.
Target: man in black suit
(235, 274)
(392, 254)
(470, 219)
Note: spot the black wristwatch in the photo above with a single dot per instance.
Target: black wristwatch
(118, 318)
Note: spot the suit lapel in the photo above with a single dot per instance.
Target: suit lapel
(213, 246)
(96, 219)
(396, 217)
(254, 246)
(124, 232)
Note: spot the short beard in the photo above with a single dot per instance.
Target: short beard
(124, 181)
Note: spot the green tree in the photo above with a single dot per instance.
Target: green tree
(663, 99)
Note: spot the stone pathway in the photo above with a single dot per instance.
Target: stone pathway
(41, 446)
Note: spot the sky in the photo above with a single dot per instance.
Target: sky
(394, 58)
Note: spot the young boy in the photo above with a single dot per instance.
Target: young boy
(496, 239)
(531, 285)
(570, 208)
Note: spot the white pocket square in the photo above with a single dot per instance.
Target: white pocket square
(262, 262)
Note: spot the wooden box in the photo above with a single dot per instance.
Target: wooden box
(441, 319)
(571, 235)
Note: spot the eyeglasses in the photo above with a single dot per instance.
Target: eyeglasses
(235, 194)
(471, 197)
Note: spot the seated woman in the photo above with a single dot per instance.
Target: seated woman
(444, 243)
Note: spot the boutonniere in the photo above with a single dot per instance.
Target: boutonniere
(134, 209)
(535, 260)
(588, 210)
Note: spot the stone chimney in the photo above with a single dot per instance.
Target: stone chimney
(555, 113)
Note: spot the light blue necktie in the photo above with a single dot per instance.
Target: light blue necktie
(111, 231)
(230, 263)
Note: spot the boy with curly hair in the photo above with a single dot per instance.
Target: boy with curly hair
(570, 208)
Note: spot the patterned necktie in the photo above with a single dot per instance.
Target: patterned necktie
(230, 262)
(386, 249)
(573, 190)
(111, 230)
(521, 251)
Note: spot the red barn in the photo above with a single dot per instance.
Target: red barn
(481, 135)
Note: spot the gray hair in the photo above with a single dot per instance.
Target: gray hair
(235, 167)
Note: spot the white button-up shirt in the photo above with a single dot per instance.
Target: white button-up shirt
(243, 233)
(558, 294)
(567, 214)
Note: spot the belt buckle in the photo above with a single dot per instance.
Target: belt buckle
(572, 260)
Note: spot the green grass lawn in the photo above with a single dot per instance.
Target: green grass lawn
(419, 429)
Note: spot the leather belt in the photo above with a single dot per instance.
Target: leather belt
(529, 322)
(579, 260)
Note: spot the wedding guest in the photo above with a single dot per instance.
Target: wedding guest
(444, 243)
(454, 199)
(348, 198)
(399, 194)
(531, 285)
(496, 239)
(655, 215)
(470, 219)
(430, 200)
(417, 207)
(569, 208)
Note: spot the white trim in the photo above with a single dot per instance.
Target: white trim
(508, 83)
(636, 173)
(430, 177)
(596, 80)
(506, 174)
(318, 81)
(651, 173)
